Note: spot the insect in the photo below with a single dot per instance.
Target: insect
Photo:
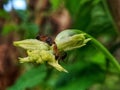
(58, 55)
(45, 38)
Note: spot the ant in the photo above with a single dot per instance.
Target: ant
(45, 39)
(50, 41)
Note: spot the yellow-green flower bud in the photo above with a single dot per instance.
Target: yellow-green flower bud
(32, 44)
(70, 39)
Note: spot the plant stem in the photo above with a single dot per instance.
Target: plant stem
(105, 51)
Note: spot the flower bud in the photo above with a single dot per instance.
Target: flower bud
(32, 44)
(70, 39)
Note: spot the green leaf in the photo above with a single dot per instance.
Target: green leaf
(9, 28)
(30, 78)
(55, 4)
(23, 15)
(82, 78)
(31, 30)
(100, 23)
(80, 11)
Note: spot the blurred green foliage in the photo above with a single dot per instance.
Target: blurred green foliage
(32, 77)
(88, 67)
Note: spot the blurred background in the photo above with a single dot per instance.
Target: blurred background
(89, 69)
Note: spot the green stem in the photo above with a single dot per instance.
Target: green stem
(105, 51)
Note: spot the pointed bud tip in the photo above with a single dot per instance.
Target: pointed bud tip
(65, 71)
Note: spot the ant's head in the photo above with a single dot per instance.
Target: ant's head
(46, 39)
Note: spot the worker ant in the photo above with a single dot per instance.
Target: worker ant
(58, 55)
(45, 39)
